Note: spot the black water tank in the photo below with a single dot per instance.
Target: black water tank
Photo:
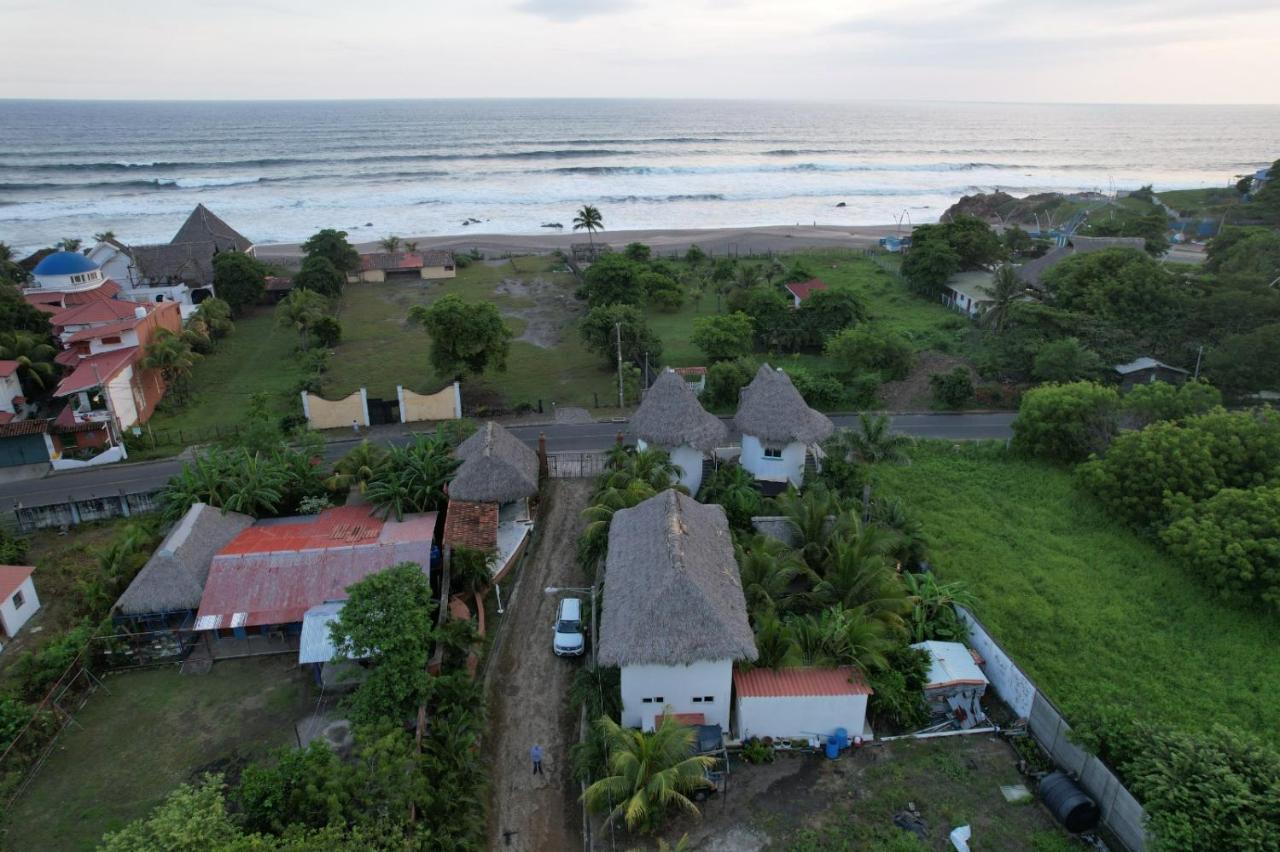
(1068, 803)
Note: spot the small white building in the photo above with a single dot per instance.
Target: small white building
(674, 619)
(18, 600)
(10, 389)
(801, 703)
(956, 683)
(670, 418)
(778, 428)
(968, 292)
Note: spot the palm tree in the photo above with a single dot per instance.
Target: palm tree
(593, 544)
(651, 466)
(411, 245)
(390, 243)
(301, 310)
(1006, 290)
(36, 368)
(171, 354)
(853, 638)
(103, 236)
(257, 488)
(650, 773)
(470, 571)
(933, 614)
(589, 220)
(766, 567)
(734, 488)
(412, 478)
(747, 276)
(910, 545)
(858, 573)
(811, 516)
(356, 468)
(68, 244)
(873, 442)
(775, 643)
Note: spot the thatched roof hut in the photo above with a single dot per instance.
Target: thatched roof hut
(497, 467)
(771, 409)
(674, 596)
(173, 578)
(671, 416)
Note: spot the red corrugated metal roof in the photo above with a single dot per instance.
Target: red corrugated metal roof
(93, 332)
(796, 682)
(802, 289)
(108, 364)
(273, 572)
(11, 577)
(101, 311)
(68, 357)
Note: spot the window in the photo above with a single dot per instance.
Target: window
(659, 700)
(708, 699)
(18, 600)
(773, 452)
(697, 699)
(646, 700)
(112, 339)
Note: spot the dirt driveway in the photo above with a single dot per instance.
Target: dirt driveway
(528, 690)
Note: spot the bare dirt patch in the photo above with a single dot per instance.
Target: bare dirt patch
(550, 308)
(914, 393)
(528, 690)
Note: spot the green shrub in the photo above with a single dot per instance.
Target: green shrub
(1065, 423)
(954, 389)
(1232, 541)
(1163, 401)
(37, 670)
(858, 350)
(898, 698)
(725, 379)
(820, 390)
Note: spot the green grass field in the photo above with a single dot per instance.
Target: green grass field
(1210, 201)
(1095, 614)
(146, 733)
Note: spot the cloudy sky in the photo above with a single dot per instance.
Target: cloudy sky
(1170, 51)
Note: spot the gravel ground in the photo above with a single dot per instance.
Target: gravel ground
(528, 690)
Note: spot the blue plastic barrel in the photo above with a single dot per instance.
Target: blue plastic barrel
(833, 750)
(841, 736)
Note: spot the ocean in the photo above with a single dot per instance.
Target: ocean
(278, 171)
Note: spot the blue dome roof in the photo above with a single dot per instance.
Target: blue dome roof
(65, 263)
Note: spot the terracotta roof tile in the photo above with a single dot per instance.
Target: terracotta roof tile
(471, 524)
(794, 682)
(11, 577)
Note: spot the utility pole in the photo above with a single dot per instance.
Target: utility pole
(617, 326)
(1199, 352)
(646, 370)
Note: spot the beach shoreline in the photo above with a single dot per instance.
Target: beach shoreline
(760, 239)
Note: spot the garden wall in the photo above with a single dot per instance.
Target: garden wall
(444, 404)
(324, 413)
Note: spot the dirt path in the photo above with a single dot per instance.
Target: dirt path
(528, 691)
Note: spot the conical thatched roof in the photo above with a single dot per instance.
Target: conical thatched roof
(173, 578)
(771, 409)
(671, 416)
(674, 595)
(497, 467)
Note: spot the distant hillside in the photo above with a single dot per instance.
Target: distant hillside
(1046, 209)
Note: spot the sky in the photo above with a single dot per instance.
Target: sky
(1109, 51)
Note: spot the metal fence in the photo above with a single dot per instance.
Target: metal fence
(1122, 814)
(72, 512)
(575, 465)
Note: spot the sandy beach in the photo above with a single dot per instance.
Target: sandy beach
(755, 240)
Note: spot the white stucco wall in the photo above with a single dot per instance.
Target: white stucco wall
(688, 460)
(12, 617)
(10, 387)
(127, 339)
(801, 716)
(121, 389)
(789, 467)
(677, 686)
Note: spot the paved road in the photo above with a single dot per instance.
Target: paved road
(126, 478)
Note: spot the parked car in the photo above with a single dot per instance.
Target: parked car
(569, 641)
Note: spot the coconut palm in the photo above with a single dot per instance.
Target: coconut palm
(593, 544)
(172, 355)
(470, 570)
(747, 276)
(301, 310)
(766, 567)
(356, 468)
(933, 614)
(103, 236)
(810, 516)
(651, 466)
(910, 546)
(649, 774)
(871, 443)
(589, 220)
(69, 244)
(1005, 291)
(412, 478)
(734, 488)
(852, 637)
(36, 368)
(257, 488)
(858, 573)
(776, 644)
(411, 245)
(390, 243)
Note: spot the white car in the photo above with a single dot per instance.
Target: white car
(569, 641)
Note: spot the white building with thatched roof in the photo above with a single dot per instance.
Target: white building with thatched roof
(778, 428)
(671, 419)
(675, 619)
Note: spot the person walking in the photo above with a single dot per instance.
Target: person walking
(536, 754)
(355, 426)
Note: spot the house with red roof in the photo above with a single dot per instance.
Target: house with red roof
(801, 290)
(18, 600)
(427, 265)
(269, 575)
(801, 703)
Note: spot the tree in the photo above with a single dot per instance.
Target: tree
(216, 316)
(953, 389)
(103, 236)
(1247, 363)
(858, 350)
(1065, 423)
(465, 338)
(933, 615)
(820, 390)
(589, 219)
(1016, 241)
(695, 256)
(770, 312)
(601, 326)
(1155, 401)
(1123, 286)
(357, 467)
(726, 379)
(1232, 542)
(927, 267)
(734, 488)
(1005, 291)
(17, 314)
(650, 774)
(191, 814)
(69, 244)
(1065, 360)
(766, 568)
(722, 337)
(318, 274)
(412, 478)
(390, 244)
(973, 241)
(613, 279)
(827, 312)
(388, 620)
(327, 331)
(239, 279)
(638, 252)
(302, 310)
(171, 354)
(36, 367)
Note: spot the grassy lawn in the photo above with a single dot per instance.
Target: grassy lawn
(1210, 201)
(1095, 614)
(154, 730)
(258, 356)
